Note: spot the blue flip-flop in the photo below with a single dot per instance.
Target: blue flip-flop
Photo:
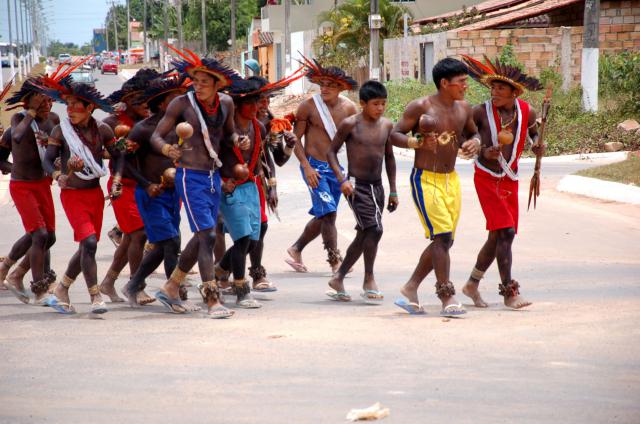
(412, 308)
(270, 288)
(59, 307)
(169, 303)
(372, 301)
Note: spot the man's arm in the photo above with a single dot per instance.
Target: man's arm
(300, 128)
(21, 124)
(53, 151)
(5, 165)
(166, 124)
(408, 122)
(471, 146)
(341, 137)
(390, 166)
(137, 134)
(536, 147)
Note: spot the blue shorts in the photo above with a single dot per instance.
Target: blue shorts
(241, 212)
(325, 197)
(200, 194)
(160, 214)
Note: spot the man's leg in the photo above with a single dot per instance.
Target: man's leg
(441, 266)
(370, 250)
(136, 249)
(256, 271)
(219, 247)
(17, 251)
(120, 260)
(330, 240)
(509, 287)
(40, 283)
(485, 258)
(61, 291)
(353, 254)
(424, 267)
(311, 231)
(88, 248)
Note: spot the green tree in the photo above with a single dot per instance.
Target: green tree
(350, 33)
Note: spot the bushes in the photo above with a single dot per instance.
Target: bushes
(620, 76)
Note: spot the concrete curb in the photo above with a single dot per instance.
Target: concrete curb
(600, 189)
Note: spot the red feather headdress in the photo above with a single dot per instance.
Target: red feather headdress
(6, 88)
(486, 73)
(192, 63)
(316, 73)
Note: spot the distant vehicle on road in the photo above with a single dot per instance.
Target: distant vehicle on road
(4, 53)
(84, 77)
(64, 58)
(109, 66)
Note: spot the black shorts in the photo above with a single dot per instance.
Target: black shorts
(367, 202)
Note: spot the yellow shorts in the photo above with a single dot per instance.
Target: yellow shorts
(438, 199)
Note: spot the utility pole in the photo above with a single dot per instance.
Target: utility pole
(204, 29)
(144, 28)
(590, 55)
(287, 37)
(165, 12)
(233, 33)
(375, 22)
(19, 40)
(25, 37)
(11, 53)
(115, 28)
(128, 31)
(179, 16)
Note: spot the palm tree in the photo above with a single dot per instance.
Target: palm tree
(349, 35)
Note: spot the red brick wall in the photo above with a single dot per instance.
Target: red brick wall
(619, 25)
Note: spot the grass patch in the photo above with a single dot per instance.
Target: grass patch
(626, 172)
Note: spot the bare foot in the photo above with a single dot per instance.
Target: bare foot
(62, 294)
(97, 304)
(410, 291)
(110, 290)
(189, 306)
(15, 281)
(337, 284)
(471, 290)
(296, 260)
(370, 288)
(143, 298)
(215, 309)
(336, 267)
(4, 270)
(516, 302)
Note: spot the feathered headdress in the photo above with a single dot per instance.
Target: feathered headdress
(29, 86)
(165, 85)
(258, 86)
(486, 73)
(135, 86)
(316, 73)
(6, 88)
(192, 63)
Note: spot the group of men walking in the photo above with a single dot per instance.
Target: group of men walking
(202, 138)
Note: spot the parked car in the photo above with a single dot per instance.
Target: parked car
(84, 77)
(64, 58)
(109, 66)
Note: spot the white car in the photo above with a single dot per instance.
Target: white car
(64, 58)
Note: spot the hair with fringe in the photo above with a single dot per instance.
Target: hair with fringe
(29, 87)
(486, 73)
(134, 86)
(159, 88)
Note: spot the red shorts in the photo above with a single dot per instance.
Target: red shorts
(84, 208)
(125, 207)
(34, 203)
(498, 199)
(263, 202)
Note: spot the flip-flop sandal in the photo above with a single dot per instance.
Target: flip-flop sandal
(22, 295)
(249, 304)
(378, 300)
(264, 287)
(60, 307)
(453, 310)
(99, 308)
(220, 312)
(297, 266)
(173, 305)
(339, 296)
(412, 308)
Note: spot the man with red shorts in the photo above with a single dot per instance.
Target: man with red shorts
(131, 109)
(505, 122)
(80, 140)
(30, 190)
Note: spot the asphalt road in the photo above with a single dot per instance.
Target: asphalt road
(570, 358)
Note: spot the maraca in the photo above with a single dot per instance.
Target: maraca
(241, 171)
(168, 178)
(427, 124)
(75, 164)
(184, 130)
(122, 130)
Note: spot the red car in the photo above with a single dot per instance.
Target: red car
(109, 66)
